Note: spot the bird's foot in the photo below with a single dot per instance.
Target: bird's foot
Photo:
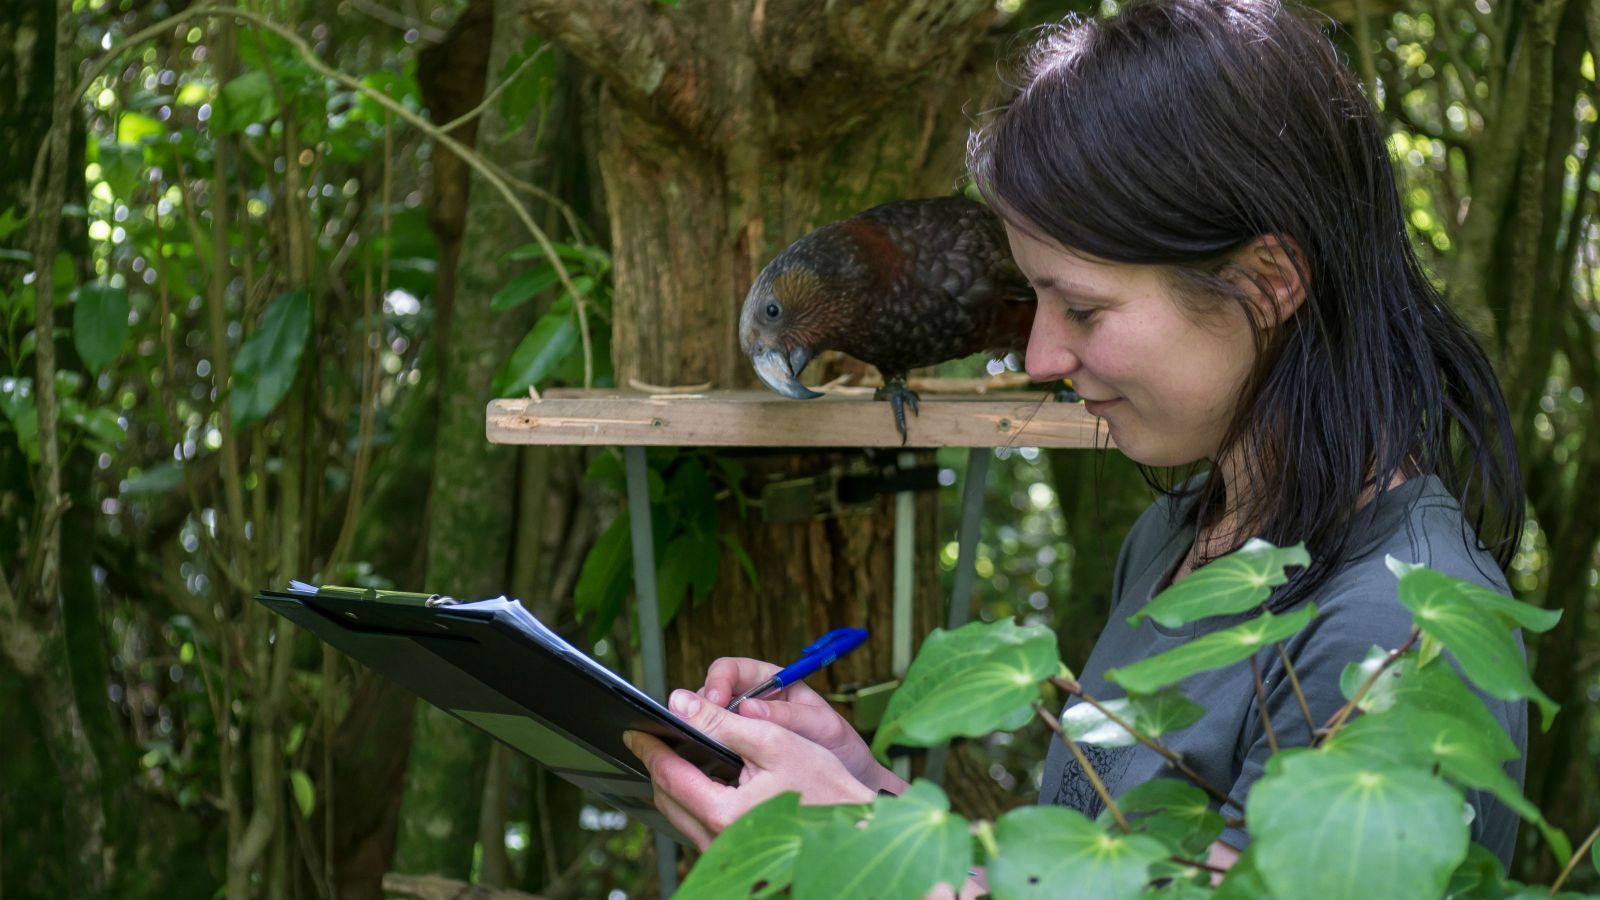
(899, 396)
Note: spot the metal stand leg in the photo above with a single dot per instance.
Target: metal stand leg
(650, 648)
(967, 555)
(905, 514)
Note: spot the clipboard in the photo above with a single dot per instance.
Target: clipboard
(495, 666)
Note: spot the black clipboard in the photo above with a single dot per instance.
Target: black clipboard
(493, 665)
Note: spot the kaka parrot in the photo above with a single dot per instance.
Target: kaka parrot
(903, 285)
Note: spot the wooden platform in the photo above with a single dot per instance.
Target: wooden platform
(760, 418)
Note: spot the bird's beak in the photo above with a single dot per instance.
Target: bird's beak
(782, 375)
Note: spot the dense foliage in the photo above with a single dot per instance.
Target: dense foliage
(259, 270)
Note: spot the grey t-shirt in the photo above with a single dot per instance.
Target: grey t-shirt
(1419, 521)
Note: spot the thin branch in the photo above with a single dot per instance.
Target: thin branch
(1299, 695)
(1083, 763)
(1573, 862)
(1337, 721)
(1171, 756)
(493, 95)
(1261, 704)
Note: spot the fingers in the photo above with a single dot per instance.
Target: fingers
(820, 724)
(731, 676)
(673, 778)
(760, 744)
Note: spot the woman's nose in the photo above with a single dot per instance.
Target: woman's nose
(1050, 355)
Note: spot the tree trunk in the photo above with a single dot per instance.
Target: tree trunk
(728, 129)
(470, 517)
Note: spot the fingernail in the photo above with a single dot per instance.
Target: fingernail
(684, 703)
(627, 741)
(714, 697)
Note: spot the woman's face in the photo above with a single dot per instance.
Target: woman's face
(1165, 382)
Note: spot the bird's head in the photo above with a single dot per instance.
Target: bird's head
(804, 302)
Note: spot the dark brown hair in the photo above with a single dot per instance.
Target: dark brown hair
(1173, 133)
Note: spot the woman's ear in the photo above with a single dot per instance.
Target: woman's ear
(1276, 273)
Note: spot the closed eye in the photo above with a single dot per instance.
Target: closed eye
(1078, 315)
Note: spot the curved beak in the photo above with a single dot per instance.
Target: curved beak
(782, 375)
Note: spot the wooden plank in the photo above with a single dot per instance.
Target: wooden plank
(760, 418)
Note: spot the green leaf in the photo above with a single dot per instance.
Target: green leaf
(1424, 739)
(1438, 689)
(297, 734)
(980, 678)
(1233, 584)
(1052, 851)
(753, 857)
(16, 401)
(604, 580)
(1330, 827)
(305, 794)
(1212, 651)
(911, 843)
(1155, 714)
(11, 223)
(672, 575)
(743, 556)
(1173, 812)
(552, 339)
(243, 102)
(526, 286)
(160, 478)
(1479, 877)
(1475, 624)
(134, 128)
(122, 168)
(100, 325)
(531, 89)
(270, 358)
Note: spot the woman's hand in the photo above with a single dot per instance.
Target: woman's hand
(802, 711)
(776, 760)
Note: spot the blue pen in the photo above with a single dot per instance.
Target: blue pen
(821, 652)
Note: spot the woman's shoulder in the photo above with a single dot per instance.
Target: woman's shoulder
(1419, 523)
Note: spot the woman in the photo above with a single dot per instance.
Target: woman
(1200, 194)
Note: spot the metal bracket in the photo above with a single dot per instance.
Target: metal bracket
(839, 492)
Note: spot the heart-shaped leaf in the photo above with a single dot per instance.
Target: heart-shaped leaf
(980, 678)
(1436, 688)
(270, 358)
(1233, 584)
(1475, 626)
(1173, 812)
(1424, 739)
(1052, 851)
(100, 325)
(754, 857)
(1154, 715)
(1332, 827)
(1212, 651)
(912, 843)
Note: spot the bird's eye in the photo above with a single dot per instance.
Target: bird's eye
(772, 310)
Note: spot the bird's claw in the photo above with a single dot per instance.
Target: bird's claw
(899, 396)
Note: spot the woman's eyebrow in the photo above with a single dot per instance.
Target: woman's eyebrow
(1048, 283)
